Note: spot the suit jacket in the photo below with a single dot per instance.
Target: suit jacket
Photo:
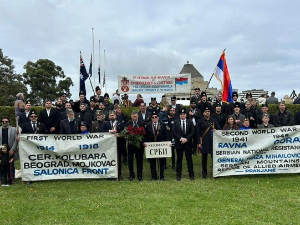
(12, 134)
(49, 121)
(147, 116)
(162, 133)
(23, 119)
(66, 129)
(87, 118)
(178, 134)
(139, 124)
(27, 128)
(106, 126)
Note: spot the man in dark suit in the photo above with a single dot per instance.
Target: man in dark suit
(143, 114)
(82, 99)
(156, 131)
(137, 151)
(84, 116)
(49, 117)
(33, 127)
(177, 107)
(69, 125)
(24, 116)
(194, 114)
(205, 126)
(183, 131)
(113, 126)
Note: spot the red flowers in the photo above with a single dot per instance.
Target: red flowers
(134, 135)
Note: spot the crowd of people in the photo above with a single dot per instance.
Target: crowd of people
(189, 130)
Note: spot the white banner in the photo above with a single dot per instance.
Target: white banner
(257, 151)
(136, 84)
(47, 157)
(158, 149)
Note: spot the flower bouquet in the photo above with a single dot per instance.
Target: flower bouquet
(133, 135)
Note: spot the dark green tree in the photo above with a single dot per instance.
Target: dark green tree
(46, 80)
(10, 82)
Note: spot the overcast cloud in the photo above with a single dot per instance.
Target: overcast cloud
(158, 37)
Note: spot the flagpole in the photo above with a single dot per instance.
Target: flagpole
(104, 72)
(93, 55)
(99, 66)
(213, 73)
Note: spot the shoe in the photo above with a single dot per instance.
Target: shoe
(173, 168)
(131, 178)
(3, 185)
(204, 176)
(192, 178)
(140, 178)
(29, 182)
(178, 178)
(7, 185)
(153, 179)
(162, 179)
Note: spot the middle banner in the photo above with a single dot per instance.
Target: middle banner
(136, 84)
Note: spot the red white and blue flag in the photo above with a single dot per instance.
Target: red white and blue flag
(181, 81)
(222, 74)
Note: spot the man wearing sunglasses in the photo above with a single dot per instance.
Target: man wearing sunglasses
(8, 136)
(34, 127)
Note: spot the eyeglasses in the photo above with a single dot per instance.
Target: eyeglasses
(33, 116)
(153, 117)
(5, 121)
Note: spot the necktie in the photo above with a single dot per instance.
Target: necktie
(134, 124)
(155, 126)
(34, 126)
(183, 127)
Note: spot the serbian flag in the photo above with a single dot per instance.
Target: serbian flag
(181, 81)
(222, 74)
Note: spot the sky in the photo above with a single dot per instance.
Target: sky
(158, 37)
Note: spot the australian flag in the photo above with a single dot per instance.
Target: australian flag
(83, 76)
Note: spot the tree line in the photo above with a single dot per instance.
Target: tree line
(41, 80)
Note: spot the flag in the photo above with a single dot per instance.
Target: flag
(103, 83)
(222, 74)
(83, 75)
(181, 80)
(91, 67)
(99, 74)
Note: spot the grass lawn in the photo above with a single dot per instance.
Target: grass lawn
(259, 199)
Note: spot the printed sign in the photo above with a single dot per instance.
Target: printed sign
(46, 157)
(136, 84)
(158, 149)
(257, 151)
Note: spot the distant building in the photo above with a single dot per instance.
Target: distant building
(256, 93)
(197, 82)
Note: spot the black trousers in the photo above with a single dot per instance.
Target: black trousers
(162, 163)
(138, 153)
(5, 173)
(189, 160)
(204, 163)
